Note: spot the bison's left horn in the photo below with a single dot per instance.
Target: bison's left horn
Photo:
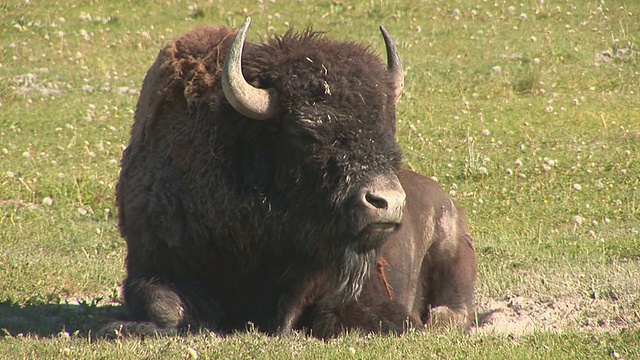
(252, 102)
(394, 65)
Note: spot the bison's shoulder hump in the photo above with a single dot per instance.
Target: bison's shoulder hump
(193, 61)
(185, 71)
(198, 43)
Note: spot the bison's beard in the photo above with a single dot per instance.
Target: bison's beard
(353, 271)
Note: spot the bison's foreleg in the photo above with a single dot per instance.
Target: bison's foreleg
(291, 307)
(450, 282)
(371, 315)
(375, 311)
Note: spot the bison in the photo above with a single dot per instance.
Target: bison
(263, 185)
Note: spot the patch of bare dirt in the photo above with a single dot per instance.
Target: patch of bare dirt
(519, 315)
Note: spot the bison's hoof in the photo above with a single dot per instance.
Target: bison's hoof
(444, 317)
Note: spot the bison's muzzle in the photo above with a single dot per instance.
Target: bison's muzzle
(380, 206)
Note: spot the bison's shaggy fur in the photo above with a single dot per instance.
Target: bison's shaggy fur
(230, 220)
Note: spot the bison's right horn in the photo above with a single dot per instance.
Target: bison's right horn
(252, 102)
(394, 65)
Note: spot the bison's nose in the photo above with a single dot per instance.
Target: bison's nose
(384, 200)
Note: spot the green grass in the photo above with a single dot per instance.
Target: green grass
(526, 112)
(442, 346)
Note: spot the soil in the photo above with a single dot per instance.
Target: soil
(519, 315)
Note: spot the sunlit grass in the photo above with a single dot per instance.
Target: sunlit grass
(525, 112)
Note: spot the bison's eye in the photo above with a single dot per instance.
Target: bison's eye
(302, 131)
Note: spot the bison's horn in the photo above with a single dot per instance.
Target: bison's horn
(252, 102)
(394, 65)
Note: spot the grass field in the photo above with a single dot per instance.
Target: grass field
(526, 112)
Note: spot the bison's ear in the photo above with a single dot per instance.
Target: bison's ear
(394, 65)
(252, 102)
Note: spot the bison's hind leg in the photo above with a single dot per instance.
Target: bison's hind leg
(154, 301)
(153, 307)
(450, 282)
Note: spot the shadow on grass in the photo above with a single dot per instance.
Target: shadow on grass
(83, 319)
(483, 318)
(53, 320)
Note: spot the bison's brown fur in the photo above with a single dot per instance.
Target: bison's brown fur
(230, 220)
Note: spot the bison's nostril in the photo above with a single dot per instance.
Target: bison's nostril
(381, 201)
(377, 201)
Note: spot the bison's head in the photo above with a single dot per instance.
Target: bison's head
(329, 115)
